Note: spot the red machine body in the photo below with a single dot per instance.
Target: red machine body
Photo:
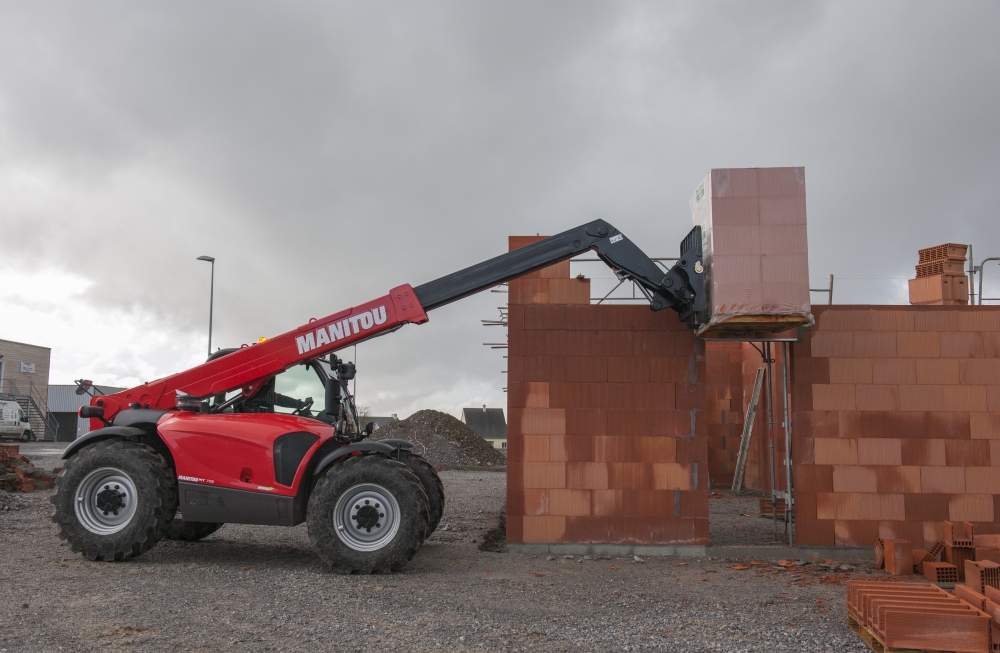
(251, 366)
(236, 451)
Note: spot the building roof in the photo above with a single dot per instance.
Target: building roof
(63, 398)
(489, 423)
(380, 421)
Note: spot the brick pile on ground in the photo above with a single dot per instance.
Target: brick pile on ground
(17, 474)
(443, 440)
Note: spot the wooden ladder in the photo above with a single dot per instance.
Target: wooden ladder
(741, 460)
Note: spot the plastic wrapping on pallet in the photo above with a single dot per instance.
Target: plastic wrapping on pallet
(755, 245)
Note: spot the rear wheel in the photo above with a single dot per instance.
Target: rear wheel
(190, 531)
(114, 500)
(367, 515)
(26, 436)
(432, 486)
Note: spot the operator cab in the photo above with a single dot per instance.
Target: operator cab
(311, 390)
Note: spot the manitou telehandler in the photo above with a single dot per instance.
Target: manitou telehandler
(224, 442)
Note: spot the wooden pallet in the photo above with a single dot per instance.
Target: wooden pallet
(872, 641)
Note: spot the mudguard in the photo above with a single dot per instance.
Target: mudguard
(362, 447)
(125, 432)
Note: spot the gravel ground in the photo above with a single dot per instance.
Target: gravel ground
(734, 520)
(260, 588)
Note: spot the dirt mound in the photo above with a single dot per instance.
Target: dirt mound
(443, 440)
(18, 474)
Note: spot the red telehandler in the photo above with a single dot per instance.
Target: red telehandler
(221, 442)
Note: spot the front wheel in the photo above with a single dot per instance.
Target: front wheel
(114, 500)
(367, 515)
(26, 436)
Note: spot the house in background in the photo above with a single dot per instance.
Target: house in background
(489, 423)
(64, 404)
(24, 378)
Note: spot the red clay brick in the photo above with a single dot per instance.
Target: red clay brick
(971, 507)
(984, 426)
(916, 344)
(570, 395)
(579, 448)
(676, 531)
(811, 370)
(586, 476)
(628, 370)
(991, 345)
(945, 480)
(515, 528)
(816, 423)
(803, 450)
(972, 371)
(964, 397)
(853, 478)
(535, 502)
(834, 397)
(805, 505)
(815, 533)
(544, 316)
(611, 449)
(543, 475)
(547, 529)
(926, 507)
(687, 397)
(937, 371)
(899, 371)
(993, 398)
(883, 451)
(674, 423)
(836, 452)
(897, 479)
(585, 317)
(948, 425)
(585, 421)
(884, 319)
(656, 449)
(671, 476)
(543, 421)
(877, 397)
(962, 345)
(862, 424)
(629, 530)
(982, 480)
(850, 370)
(628, 318)
(628, 422)
(814, 478)
(587, 529)
(855, 532)
(544, 368)
(570, 503)
(967, 453)
(586, 369)
(536, 448)
(980, 319)
(935, 321)
(653, 396)
(921, 398)
(912, 425)
(923, 453)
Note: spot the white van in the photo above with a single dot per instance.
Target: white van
(13, 423)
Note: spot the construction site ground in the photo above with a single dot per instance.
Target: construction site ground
(261, 588)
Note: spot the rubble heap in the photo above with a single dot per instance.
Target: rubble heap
(17, 474)
(443, 440)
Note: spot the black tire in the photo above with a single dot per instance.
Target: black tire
(369, 480)
(147, 507)
(26, 436)
(185, 531)
(432, 486)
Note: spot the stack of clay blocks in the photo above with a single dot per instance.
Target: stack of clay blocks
(982, 574)
(896, 423)
(607, 436)
(915, 616)
(941, 277)
(755, 246)
(724, 409)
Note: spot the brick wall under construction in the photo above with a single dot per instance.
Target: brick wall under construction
(607, 436)
(896, 423)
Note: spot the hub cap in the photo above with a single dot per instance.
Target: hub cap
(366, 517)
(105, 501)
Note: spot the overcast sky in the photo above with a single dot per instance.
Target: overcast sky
(325, 152)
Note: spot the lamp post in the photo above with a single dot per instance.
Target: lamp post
(211, 300)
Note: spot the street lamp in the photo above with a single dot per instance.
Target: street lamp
(211, 300)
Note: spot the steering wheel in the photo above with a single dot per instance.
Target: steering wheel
(306, 405)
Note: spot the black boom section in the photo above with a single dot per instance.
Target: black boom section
(289, 450)
(680, 288)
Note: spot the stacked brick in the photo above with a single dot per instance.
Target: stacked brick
(897, 424)
(606, 440)
(724, 409)
(941, 279)
(916, 617)
(753, 223)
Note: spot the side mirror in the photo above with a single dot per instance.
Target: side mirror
(346, 371)
(332, 403)
(369, 428)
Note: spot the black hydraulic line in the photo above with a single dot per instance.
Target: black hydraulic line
(681, 288)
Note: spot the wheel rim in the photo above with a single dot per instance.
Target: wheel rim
(105, 501)
(366, 517)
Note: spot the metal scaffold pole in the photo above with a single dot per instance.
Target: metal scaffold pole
(788, 443)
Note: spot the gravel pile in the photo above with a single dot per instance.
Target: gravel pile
(10, 501)
(443, 440)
